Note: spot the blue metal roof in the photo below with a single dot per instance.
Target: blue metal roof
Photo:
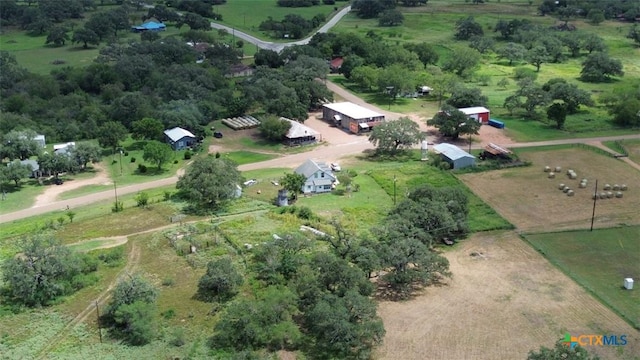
(451, 151)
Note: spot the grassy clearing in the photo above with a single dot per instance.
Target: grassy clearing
(247, 15)
(599, 261)
(22, 197)
(247, 157)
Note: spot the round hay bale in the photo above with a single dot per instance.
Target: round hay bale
(582, 185)
(561, 186)
(594, 196)
(552, 175)
(609, 194)
(607, 187)
(584, 180)
(569, 171)
(547, 169)
(558, 168)
(570, 193)
(573, 176)
(616, 187)
(619, 194)
(623, 187)
(566, 189)
(603, 195)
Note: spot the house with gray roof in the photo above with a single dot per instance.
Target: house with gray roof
(179, 138)
(455, 156)
(319, 177)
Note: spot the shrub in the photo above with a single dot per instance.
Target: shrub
(126, 153)
(168, 282)
(339, 192)
(175, 161)
(117, 206)
(177, 337)
(133, 159)
(305, 213)
(522, 73)
(142, 168)
(187, 155)
(169, 314)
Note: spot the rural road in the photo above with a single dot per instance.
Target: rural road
(278, 47)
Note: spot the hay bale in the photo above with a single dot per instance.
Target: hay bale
(566, 189)
(616, 187)
(603, 195)
(594, 196)
(551, 175)
(558, 169)
(561, 186)
(623, 187)
(547, 169)
(607, 187)
(570, 193)
(573, 176)
(584, 180)
(582, 185)
(609, 194)
(619, 194)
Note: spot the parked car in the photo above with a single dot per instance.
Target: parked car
(250, 182)
(58, 181)
(217, 134)
(335, 167)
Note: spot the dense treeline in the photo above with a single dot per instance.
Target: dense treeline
(292, 26)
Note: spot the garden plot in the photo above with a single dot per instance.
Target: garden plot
(533, 201)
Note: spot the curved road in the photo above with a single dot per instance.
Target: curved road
(278, 47)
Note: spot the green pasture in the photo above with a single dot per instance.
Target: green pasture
(20, 197)
(247, 15)
(246, 157)
(598, 260)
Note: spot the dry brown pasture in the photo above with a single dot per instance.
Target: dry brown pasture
(532, 202)
(502, 302)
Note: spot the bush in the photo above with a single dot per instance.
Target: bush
(117, 207)
(305, 213)
(142, 168)
(169, 314)
(111, 257)
(177, 337)
(339, 192)
(522, 73)
(168, 282)
(187, 155)
(133, 159)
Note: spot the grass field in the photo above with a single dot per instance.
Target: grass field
(599, 261)
(504, 300)
(540, 205)
(247, 157)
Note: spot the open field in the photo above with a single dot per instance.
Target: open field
(501, 303)
(532, 202)
(599, 261)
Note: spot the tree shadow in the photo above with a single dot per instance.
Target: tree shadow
(136, 145)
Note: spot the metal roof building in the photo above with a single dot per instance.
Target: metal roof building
(352, 117)
(455, 156)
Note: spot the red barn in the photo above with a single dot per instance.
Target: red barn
(479, 113)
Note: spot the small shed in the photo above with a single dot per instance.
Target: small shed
(479, 113)
(64, 149)
(455, 156)
(179, 138)
(300, 134)
(336, 65)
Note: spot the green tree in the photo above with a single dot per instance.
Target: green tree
(210, 182)
(394, 136)
(453, 123)
(626, 111)
(57, 36)
(54, 163)
(537, 56)
(482, 43)
(634, 34)
(16, 171)
(365, 76)
(396, 78)
(426, 53)
(593, 43)
(157, 153)
(467, 97)
(570, 94)
(391, 17)
(273, 128)
(293, 183)
(558, 113)
(467, 28)
(221, 281)
(147, 129)
(99, 26)
(130, 313)
(561, 352)
(85, 152)
(443, 84)
(534, 96)
(86, 37)
(595, 16)
(110, 134)
(599, 67)
(18, 144)
(462, 62)
(573, 41)
(44, 271)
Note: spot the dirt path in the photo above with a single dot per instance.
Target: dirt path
(132, 262)
(52, 192)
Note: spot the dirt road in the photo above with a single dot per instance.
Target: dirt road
(51, 193)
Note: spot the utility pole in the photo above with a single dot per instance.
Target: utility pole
(595, 199)
(98, 318)
(115, 191)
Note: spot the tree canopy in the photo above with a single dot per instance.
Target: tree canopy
(393, 136)
(452, 122)
(209, 182)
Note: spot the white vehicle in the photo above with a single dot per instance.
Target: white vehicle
(335, 167)
(250, 182)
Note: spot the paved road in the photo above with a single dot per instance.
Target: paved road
(278, 47)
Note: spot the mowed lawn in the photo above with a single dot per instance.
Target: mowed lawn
(598, 260)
